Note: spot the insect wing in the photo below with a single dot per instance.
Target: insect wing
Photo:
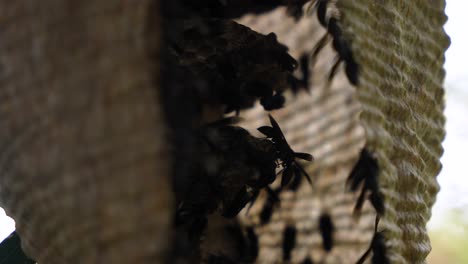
(377, 202)
(287, 176)
(319, 46)
(322, 12)
(277, 129)
(241, 199)
(304, 156)
(333, 70)
(267, 131)
(352, 72)
(296, 181)
(359, 204)
(299, 168)
(364, 256)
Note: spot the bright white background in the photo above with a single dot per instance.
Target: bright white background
(453, 178)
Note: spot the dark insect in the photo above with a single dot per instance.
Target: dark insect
(236, 65)
(285, 154)
(234, 207)
(339, 44)
(295, 84)
(352, 71)
(326, 230)
(334, 69)
(365, 173)
(379, 250)
(302, 83)
(273, 102)
(319, 47)
(233, 166)
(344, 52)
(271, 201)
(304, 66)
(11, 251)
(289, 241)
(246, 164)
(377, 247)
(295, 183)
(321, 6)
(307, 260)
(252, 244)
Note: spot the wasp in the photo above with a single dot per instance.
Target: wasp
(273, 102)
(240, 166)
(286, 156)
(344, 52)
(237, 65)
(297, 84)
(365, 173)
(326, 230)
(289, 241)
(271, 201)
(377, 247)
(339, 44)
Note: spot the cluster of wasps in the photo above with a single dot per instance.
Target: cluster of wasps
(227, 67)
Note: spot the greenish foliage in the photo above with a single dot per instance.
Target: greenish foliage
(450, 239)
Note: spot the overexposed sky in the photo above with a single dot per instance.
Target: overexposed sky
(457, 54)
(453, 178)
(7, 225)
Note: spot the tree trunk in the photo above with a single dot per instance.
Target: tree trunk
(84, 159)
